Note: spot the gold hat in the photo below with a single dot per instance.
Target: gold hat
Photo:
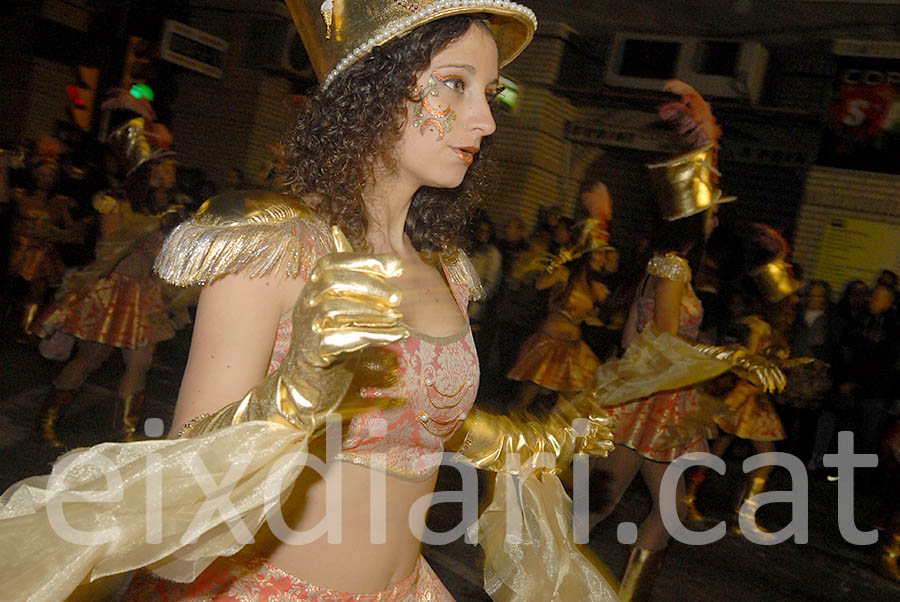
(336, 33)
(775, 280)
(135, 146)
(687, 184)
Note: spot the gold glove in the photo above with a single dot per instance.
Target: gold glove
(564, 256)
(346, 306)
(494, 442)
(755, 368)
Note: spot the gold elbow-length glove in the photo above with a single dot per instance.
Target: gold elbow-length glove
(761, 370)
(520, 443)
(346, 306)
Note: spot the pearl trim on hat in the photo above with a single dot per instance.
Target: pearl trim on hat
(391, 31)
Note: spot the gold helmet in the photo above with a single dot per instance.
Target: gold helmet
(775, 279)
(687, 184)
(336, 33)
(135, 146)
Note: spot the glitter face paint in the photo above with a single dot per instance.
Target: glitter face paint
(427, 116)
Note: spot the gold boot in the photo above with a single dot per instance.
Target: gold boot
(49, 414)
(890, 557)
(690, 496)
(129, 411)
(640, 575)
(28, 314)
(747, 508)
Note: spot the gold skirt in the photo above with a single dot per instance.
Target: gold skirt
(555, 364)
(753, 416)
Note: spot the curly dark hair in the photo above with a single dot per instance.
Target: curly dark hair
(351, 127)
(684, 236)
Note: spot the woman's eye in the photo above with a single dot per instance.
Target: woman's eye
(455, 84)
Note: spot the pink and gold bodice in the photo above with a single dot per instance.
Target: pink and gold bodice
(438, 380)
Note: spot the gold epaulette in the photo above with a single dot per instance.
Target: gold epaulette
(460, 271)
(254, 231)
(671, 267)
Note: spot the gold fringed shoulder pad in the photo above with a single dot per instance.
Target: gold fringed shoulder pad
(671, 267)
(461, 272)
(255, 231)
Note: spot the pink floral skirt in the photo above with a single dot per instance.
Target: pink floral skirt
(250, 578)
(118, 310)
(641, 425)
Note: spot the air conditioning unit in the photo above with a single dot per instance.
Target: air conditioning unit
(274, 45)
(714, 67)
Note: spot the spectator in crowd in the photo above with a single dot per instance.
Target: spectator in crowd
(870, 374)
(812, 335)
(488, 264)
(603, 332)
(888, 279)
(512, 242)
(838, 404)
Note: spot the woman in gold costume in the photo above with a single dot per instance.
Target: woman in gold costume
(347, 295)
(42, 220)
(749, 411)
(665, 302)
(556, 358)
(751, 415)
(116, 302)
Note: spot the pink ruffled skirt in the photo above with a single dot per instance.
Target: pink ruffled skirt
(250, 578)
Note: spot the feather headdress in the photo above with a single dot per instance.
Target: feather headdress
(691, 116)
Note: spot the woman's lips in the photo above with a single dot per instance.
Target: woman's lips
(466, 154)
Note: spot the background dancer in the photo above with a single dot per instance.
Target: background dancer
(42, 220)
(116, 301)
(664, 301)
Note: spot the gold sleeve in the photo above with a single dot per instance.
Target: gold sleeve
(755, 368)
(521, 444)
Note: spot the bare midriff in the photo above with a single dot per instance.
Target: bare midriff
(360, 558)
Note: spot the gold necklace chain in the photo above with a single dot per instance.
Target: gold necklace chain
(463, 388)
(444, 427)
(438, 427)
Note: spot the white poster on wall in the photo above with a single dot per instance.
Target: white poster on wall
(854, 248)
